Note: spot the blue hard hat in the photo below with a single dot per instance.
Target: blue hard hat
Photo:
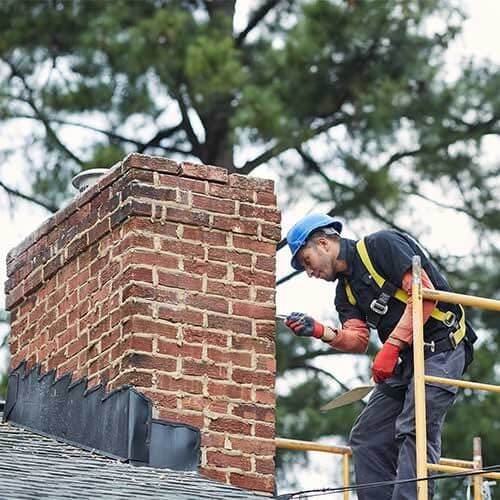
(300, 232)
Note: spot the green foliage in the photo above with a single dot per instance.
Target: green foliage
(354, 92)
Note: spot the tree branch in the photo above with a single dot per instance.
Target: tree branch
(41, 116)
(32, 199)
(186, 124)
(255, 19)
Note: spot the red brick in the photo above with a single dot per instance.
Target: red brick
(266, 363)
(52, 267)
(187, 216)
(208, 236)
(184, 281)
(212, 204)
(270, 231)
(14, 297)
(264, 431)
(254, 446)
(265, 296)
(200, 335)
(149, 362)
(251, 183)
(206, 172)
(181, 315)
(214, 474)
(236, 358)
(134, 273)
(184, 350)
(252, 245)
(241, 292)
(155, 163)
(138, 343)
(168, 383)
(143, 291)
(229, 323)
(254, 277)
(264, 198)
(148, 228)
(264, 379)
(265, 396)
(250, 310)
(221, 254)
(135, 325)
(197, 186)
(231, 425)
(98, 231)
(210, 439)
(266, 330)
(139, 190)
(264, 465)
(229, 390)
(76, 247)
(266, 263)
(157, 259)
(231, 193)
(220, 459)
(135, 241)
(235, 225)
(182, 248)
(207, 303)
(256, 212)
(198, 403)
(194, 419)
(195, 367)
(254, 412)
(199, 267)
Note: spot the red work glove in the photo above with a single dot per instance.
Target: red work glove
(385, 362)
(304, 326)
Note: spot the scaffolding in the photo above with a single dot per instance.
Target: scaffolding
(448, 465)
(420, 378)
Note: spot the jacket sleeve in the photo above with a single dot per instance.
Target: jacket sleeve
(403, 331)
(352, 337)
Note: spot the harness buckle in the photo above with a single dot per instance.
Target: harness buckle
(378, 307)
(431, 344)
(452, 339)
(451, 319)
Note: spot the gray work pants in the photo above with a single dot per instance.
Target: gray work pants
(383, 436)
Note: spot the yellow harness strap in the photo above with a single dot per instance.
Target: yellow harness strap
(446, 317)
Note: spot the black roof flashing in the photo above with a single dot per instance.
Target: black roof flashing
(117, 424)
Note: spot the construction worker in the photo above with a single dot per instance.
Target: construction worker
(374, 281)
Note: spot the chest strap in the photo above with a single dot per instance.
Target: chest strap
(380, 305)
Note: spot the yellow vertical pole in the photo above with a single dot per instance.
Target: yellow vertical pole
(478, 464)
(345, 474)
(418, 380)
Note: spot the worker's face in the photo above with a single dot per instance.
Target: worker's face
(319, 258)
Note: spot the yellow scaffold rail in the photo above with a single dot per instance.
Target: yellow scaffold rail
(419, 293)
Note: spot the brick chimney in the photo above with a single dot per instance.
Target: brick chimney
(162, 275)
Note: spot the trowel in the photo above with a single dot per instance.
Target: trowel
(348, 397)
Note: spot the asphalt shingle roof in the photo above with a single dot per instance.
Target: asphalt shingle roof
(35, 466)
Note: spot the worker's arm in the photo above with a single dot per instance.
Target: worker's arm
(353, 337)
(386, 360)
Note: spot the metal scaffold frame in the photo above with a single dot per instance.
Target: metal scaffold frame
(420, 378)
(448, 465)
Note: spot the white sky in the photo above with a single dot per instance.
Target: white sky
(481, 38)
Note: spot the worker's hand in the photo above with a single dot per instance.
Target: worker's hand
(385, 362)
(304, 326)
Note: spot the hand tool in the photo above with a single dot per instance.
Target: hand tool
(348, 397)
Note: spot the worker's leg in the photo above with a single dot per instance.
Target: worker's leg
(375, 451)
(438, 399)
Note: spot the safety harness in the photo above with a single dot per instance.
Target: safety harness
(380, 305)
